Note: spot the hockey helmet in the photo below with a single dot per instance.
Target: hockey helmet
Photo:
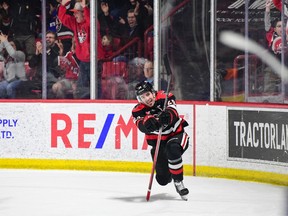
(143, 87)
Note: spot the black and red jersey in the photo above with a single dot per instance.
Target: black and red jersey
(176, 126)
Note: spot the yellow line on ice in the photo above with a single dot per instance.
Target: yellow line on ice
(142, 167)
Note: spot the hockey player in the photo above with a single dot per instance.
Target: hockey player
(149, 116)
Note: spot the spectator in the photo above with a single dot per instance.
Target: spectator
(52, 15)
(135, 75)
(143, 11)
(4, 17)
(278, 5)
(80, 25)
(124, 29)
(149, 75)
(14, 67)
(115, 7)
(54, 49)
(110, 46)
(108, 24)
(107, 43)
(64, 34)
(273, 32)
(23, 23)
(117, 89)
(65, 87)
(132, 28)
(272, 82)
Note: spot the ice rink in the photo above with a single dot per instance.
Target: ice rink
(84, 193)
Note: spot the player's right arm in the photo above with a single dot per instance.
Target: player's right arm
(146, 123)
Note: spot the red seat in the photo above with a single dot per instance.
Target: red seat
(116, 43)
(1, 69)
(114, 69)
(30, 72)
(113, 82)
(150, 46)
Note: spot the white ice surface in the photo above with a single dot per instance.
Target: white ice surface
(83, 193)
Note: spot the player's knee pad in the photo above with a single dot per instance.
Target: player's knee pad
(163, 180)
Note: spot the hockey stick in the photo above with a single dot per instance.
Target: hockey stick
(168, 71)
(239, 42)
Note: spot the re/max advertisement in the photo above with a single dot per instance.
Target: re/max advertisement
(84, 131)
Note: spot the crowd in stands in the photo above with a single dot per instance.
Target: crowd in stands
(124, 48)
(121, 32)
(13, 59)
(273, 29)
(263, 80)
(273, 34)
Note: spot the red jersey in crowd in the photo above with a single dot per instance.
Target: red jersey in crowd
(81, 32)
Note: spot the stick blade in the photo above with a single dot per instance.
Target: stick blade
(148, 195)
(167, 64)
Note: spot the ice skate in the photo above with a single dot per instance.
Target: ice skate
(180, 188)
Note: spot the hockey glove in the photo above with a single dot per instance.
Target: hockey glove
(164, 118)
(150, 123)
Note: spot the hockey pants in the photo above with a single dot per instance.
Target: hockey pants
(169, 161)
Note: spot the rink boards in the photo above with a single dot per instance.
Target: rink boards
(226, 140)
